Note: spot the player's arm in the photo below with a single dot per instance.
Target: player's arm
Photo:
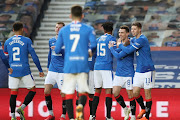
(49, 56)
(35, 58)
(3, 57)
(92, 39)
(135, 46)
(59, 43)
(115, 53)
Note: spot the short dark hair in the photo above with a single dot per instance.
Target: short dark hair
(17, 26)
(138, 24)
(108, 26)
(60, 23)
(76, 11)
(125, 27)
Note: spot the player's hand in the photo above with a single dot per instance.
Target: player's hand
(10, 70)
(52, 47)
(90, 53)
(41, 74)
(47, 70)
(111, 44)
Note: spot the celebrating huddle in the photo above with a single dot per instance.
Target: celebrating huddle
(78, 61)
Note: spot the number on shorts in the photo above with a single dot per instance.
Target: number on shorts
(128, 82)
(148, 80)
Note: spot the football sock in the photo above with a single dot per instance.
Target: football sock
(69, 105)
(49, 103)
(63, 106)
(139, 99)
(148, 107)
(90, 105)
(120, 100)
(29, 97)
(95, 103)
(82, 99)
(133, 106)
(13, 101)
(108, 105)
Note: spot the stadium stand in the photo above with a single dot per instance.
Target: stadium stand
(29, 12)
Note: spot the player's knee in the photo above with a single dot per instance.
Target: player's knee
(130, 96)
(135, 93)
(115, 93)
(47, 91)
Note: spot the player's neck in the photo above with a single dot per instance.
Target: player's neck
(137, 36)
(76, 19)
(56, 36)
(18, 33)
(108, 33)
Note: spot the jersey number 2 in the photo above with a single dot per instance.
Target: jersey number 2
(17, 52)
(76, 38)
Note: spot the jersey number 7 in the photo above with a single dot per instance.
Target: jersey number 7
(76, 38)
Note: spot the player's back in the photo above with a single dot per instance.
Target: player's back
(76, 37)
(17, 48)
(104, 57)
(143, 55)
(57, 60)
(125, 65)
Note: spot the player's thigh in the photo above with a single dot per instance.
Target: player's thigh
(129, 83)
(28, 81)
(138, 79)
(149, 79)
(91, 82)
(13, 82)
(51, 78)
(118, 81)
(69, 83)
(107, 76)
(98, 81)
(59, 80)
(82, 82)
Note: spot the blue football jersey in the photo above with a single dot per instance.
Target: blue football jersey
(76, 37)
(104, 57)
(3, 57)
(143, 54)
(91, 61)
(55, 61)
(125, 67)
(18, 47)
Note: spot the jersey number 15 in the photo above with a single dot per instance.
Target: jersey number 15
(101, 51)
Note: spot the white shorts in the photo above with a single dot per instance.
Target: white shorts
(145, 80)
(27, 82)
(70, 81)
(121, 81)
(103, 78)
(91, 82)
(53, 78)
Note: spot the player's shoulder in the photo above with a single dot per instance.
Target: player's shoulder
(52, 39)
(26, 39)
(8, 40)
(143, 37)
